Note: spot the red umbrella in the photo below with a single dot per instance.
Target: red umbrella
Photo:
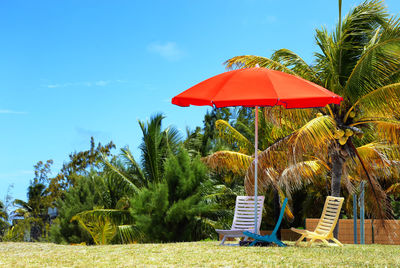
(256, 87)
(253, 87)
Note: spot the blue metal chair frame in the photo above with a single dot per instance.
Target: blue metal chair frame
(272, 238)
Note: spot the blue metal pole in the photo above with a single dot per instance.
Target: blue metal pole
(355, 218)
(362, 233)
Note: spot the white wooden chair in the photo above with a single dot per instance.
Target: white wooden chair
(243, 219)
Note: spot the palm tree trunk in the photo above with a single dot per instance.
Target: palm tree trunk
(336, 174)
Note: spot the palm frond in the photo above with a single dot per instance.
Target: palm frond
(315, 135)
(341, 50)
(249, 61)
(231, 135)
(245, 129)
(172, 138)
(326, 60)
(130, 234)
(150, 147)
(99, 226)
(374, 68)
(21, 203)
(123, 177)
(290, 119)
(116, 216)
(235, 162)
(356, 30)
(303, 173)
(375, 160)
(386, 129)
(379, 62)
(389, 130)
(394, 189)
(130, 161)
(156, 145)
(266, 179)
(271, 162)
(293, 61)
(220, 190)
(379, 205)
(381, 102)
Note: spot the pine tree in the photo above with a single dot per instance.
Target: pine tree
(176, 208)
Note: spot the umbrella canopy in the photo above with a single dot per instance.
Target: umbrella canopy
(253, 87)
(256, 87)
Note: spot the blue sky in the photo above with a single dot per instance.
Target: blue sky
(70, 70)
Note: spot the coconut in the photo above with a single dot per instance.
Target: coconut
(349, 132)
(319, 114)
(339, 132)
(343, 140)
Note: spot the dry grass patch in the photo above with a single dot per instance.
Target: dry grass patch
(194, 254)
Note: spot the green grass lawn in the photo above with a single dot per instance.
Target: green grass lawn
(195, 254)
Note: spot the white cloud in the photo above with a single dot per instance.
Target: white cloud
(168, 50)
(102, 83)
(11, 112)
(99, 83)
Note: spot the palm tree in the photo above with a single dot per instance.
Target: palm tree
(240, 136)
(359, 61)
(240, 157)
(3, 218)
(127, 176)
(34, 211)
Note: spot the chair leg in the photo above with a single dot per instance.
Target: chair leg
(310, 242)
(325, 242)
(337, 241)
(223, 241)
(280, 243)
(299, 240)
(253, 243)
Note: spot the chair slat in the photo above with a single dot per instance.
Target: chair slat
(329, 217)
(247, 202)
(243, 220)
(331, 214)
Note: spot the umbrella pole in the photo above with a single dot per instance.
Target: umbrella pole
(255, 170)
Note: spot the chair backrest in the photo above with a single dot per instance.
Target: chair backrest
(330, 215)
(244, 213)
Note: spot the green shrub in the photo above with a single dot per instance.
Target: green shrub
(175, 209)
(81, 197)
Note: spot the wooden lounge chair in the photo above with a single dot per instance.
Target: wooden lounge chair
(243, 219)
(272, 238)
(326, 224)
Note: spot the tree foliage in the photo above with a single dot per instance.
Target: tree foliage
(83, 196)
(175, 209)
(3, 219)
(359, 61)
